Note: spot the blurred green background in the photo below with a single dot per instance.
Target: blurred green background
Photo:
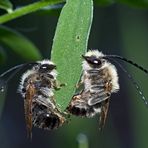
(116, 29)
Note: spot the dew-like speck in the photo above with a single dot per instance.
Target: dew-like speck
(2, 89)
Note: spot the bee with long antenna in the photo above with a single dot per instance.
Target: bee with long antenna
(98, 81)
(37, 88)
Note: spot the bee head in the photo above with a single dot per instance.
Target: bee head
(45, 66)
(94, 61)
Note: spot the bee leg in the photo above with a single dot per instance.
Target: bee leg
(78, 84)
(57, 85)
(63, 84)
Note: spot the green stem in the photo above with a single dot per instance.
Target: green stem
(82, 141)
(28, 9)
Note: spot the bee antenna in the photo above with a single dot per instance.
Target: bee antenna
(134, 83)
(14, 68)
(128, 61)
(17, 68)
(10, 70)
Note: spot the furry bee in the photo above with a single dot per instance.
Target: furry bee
(37, 87)
(98, 81)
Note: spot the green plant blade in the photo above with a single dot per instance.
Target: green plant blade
(19, 44)
(70, 42)
(6, 5)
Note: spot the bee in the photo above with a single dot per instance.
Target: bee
(37, 87)
(98, 81)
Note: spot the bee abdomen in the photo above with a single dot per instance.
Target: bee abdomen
(84, 110)
(44, 118)
(76, 110)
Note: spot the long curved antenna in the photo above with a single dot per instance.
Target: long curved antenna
(128, 61)
(16, 69)
(134, 83)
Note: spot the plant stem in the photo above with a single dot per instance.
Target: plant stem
(28, 9)
(82, 141)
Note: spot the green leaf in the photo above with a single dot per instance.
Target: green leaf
(135, 3)
(19, 44)
(28, 9)
(2, 56)
(70, 42)
(104, 2)
(6, 5)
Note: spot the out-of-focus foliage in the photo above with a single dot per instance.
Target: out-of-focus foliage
(28, 9)
(135, 45)
(131, 3)
(51, 10)
(135, 3)
(104, 2)
(19, 44)
(70, 42)
(6, 5)
(2, 55)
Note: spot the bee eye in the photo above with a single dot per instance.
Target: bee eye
(46, 67)
(97, 62)
(92, 60)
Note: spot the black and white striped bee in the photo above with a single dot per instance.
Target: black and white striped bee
(98, 81)
(37, 87)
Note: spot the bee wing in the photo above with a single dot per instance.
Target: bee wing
(28, 108)
(105, 105)
(103, 114)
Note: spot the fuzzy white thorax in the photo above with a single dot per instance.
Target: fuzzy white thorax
(96, 53)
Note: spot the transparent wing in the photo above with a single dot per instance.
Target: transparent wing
(30, 92)
(103, 114)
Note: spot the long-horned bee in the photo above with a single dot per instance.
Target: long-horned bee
(37, 87)
(98, 81)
